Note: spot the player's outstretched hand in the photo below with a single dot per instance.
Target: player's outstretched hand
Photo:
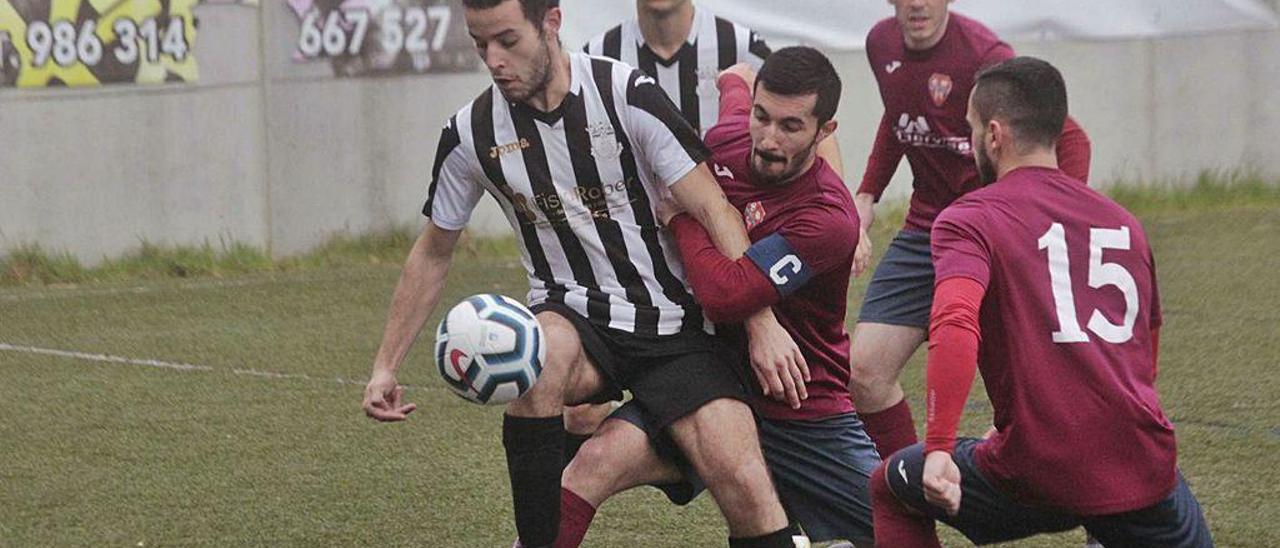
(864, 204)
(942, 482)
(741, 70)
(384, 398)
(776, 360)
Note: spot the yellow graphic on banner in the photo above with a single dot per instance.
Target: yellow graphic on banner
(47, 43)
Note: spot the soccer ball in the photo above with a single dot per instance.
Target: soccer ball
(490, 349)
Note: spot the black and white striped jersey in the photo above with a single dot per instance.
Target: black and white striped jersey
(688, 77)
(577, 185)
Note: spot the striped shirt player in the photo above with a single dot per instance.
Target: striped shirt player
(689, 76)
(575, 149)
(577, 185)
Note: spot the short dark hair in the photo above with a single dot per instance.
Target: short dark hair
(1026, 93)
(801, 70)
(534, 10)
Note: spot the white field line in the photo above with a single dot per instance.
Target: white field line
(160, 364)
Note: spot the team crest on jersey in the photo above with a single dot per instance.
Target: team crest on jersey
(753, 214)
(604, 142)
(939, 88)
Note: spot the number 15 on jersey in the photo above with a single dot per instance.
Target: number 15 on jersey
(1100, 274)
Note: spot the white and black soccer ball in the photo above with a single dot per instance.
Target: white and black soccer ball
(490, 349)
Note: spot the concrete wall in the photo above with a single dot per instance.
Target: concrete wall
(97, 171)
(1154, 109)
(283, 155)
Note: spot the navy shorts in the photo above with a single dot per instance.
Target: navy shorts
(901, 290)
(669, 375)
(988, 516)
(819, 467)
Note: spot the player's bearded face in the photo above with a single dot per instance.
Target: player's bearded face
(516, 52)
(784, 136)
(978, 141)
(986, 168)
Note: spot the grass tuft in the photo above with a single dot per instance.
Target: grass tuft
(31, 264)
(382, 247)
(1211, 189)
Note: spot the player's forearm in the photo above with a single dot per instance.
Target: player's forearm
(730, 237)
(953, 359)
(415, 297)
(728, 290)
(700, 196)
(865, 205)
(886, 152)
(724, 225)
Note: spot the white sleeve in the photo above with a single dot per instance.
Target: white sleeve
(665, 142)
(454, 190)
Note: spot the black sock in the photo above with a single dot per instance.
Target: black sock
(572, 443)
(777, 539)
(535, 449)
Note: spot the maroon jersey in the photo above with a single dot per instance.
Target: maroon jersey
(926, 96)
(803, 236)
(1066, 341)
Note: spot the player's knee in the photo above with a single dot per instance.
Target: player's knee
(738, 471)
(543, 398)
(593, 470)
(865, 380)
(564, 349)
(870, 374)
(719, 437)
(865, 367)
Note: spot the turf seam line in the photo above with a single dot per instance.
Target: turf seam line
(134, 290)
(19, 295)
(177, 366)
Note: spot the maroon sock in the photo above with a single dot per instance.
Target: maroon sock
(895, 525)
(575, 518)
(891, 429)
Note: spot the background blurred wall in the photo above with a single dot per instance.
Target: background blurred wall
(282, 155)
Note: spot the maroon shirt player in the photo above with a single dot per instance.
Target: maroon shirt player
(804, 229)
(811, 217)
(1050, 289)
(924, 94)
(924, 60)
